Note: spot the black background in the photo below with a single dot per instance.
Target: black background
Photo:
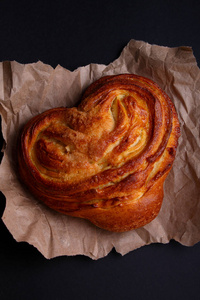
(72, 34)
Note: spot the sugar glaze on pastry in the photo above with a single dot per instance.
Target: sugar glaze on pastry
(105, 160)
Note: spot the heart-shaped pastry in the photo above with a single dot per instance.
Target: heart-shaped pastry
(107, 159)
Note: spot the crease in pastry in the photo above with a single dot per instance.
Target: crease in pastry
(107, 159)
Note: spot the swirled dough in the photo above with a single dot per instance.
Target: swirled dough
(107, 159)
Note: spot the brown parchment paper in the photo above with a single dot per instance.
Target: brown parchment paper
(26, 90)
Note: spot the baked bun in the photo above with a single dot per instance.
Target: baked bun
(107, 159)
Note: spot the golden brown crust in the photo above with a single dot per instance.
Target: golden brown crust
(107, 159)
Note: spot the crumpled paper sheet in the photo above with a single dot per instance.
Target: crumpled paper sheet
(26, 90)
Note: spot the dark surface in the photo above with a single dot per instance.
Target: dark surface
(73, 34)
